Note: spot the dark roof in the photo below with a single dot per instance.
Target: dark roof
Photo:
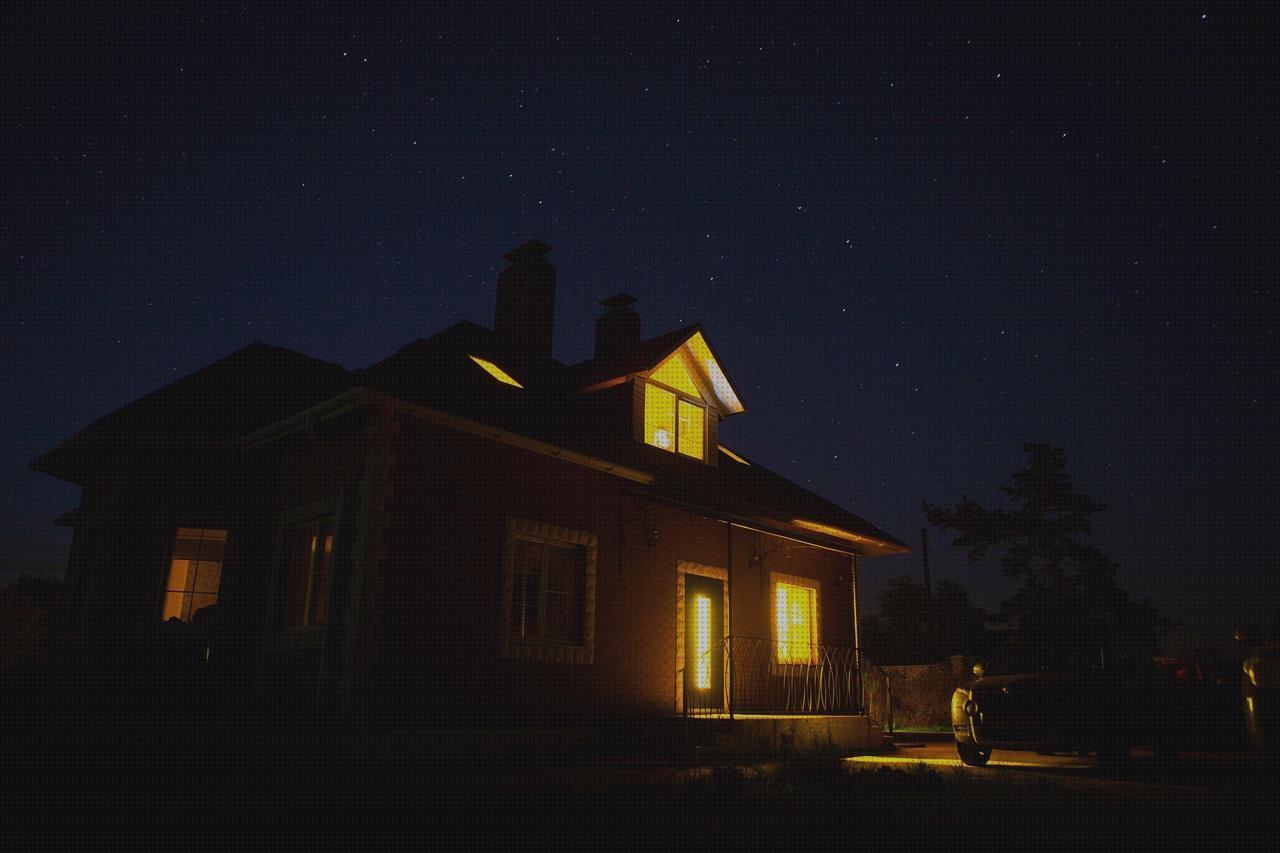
(643, 356)
(248, 389)
(260, 385)
(438, 372)
(754, 489)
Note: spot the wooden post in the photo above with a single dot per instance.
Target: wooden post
(728, 626)
(924, 558)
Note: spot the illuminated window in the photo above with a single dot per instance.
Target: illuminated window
(689, 429)
(496, 372)
(548, 592)
(673, 423)
(195, 572)
(702, 642)
(309, 562)
(795, 621)
(659, 417)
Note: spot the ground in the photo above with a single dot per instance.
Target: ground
(409, 790)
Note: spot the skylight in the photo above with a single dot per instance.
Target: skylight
(496, 372)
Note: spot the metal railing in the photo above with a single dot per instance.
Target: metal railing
(752, 675)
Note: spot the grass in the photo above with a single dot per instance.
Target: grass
(922, 729)
(392, 797)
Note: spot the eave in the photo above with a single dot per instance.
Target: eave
(358, 397)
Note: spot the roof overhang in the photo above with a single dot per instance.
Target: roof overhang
(880, 546)
(355, 398)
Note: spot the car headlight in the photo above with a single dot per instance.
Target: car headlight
(1262, 672)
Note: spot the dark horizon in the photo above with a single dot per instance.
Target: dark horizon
(916, 238)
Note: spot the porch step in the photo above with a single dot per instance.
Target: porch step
(771, 734)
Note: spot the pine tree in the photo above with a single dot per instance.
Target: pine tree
(1067, 585)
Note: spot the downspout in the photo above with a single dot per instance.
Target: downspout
(337, 622)
(728, 617)
(857, 635)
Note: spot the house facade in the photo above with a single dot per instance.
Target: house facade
(467, 531)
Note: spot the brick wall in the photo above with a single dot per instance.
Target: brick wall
(922, 692)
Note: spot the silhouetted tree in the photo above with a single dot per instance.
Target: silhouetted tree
(1067, 584)
(914, 627)
(26, 607)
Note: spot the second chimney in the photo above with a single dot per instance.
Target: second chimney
(618, 329)
(524, 316)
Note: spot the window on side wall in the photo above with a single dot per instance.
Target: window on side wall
(795, 620)
(195, 572)
(548, 592)
(308, 564)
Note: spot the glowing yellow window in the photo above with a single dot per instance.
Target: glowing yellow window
(195, 572)
(659, 417)
(673, 423)
(496, 372)
(702, 642)
(690, 427)
(796, 623)
(674, 374)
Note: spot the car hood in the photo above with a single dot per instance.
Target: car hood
(1024, 680)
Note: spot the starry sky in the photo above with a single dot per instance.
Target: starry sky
(918, 236)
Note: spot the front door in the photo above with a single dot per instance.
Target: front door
(703, 642)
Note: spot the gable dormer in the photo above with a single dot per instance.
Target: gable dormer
(678, 391)
(680, 400)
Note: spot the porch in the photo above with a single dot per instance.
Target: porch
(754, 694)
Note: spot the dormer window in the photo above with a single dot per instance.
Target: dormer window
(674, 413)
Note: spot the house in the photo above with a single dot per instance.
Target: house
(469, 530)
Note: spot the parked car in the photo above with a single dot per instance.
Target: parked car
(1079, 696)
(1261, 692)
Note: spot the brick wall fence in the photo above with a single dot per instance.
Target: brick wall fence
(922, 692)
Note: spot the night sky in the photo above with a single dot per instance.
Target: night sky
(918, 236)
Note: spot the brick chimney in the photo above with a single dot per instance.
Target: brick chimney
(618, 329)
(524, 316)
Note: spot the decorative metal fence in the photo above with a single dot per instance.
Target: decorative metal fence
(759, 677)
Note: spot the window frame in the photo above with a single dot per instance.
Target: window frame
(776, 578)
(166, 589)
(320, 513)
(680, 396)
(522, 530)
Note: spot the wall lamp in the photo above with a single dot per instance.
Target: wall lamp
(757, 558)
(650, 527)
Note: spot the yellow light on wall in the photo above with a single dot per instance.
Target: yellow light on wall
(674, 374)
(837, 532)
(714, 375)
(496, 372)
(702, 642)
(735, 457)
